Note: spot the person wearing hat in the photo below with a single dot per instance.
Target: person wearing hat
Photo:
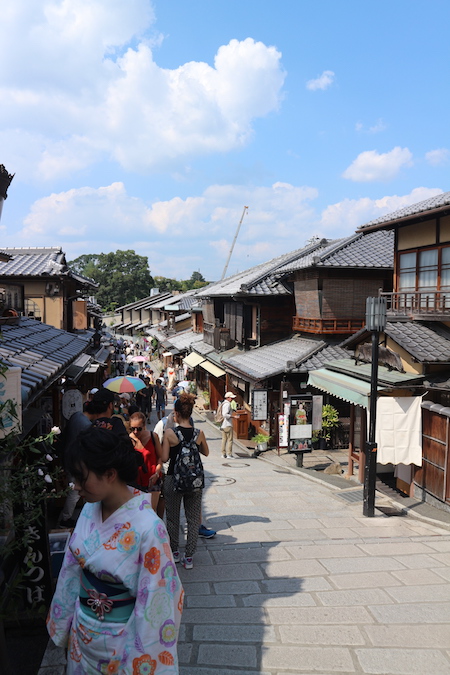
(227, 427)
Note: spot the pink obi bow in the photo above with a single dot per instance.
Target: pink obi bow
(99, 603)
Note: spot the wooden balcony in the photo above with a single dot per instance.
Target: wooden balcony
(327, 326)
(217, 336)
(419, 305)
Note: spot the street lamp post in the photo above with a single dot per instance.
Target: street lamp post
(375, 323)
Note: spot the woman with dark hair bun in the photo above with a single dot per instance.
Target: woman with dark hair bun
(176, 441)
(118, 601)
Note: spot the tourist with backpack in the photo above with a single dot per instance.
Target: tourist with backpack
(184, 480)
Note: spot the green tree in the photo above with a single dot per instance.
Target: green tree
(123, 276)
(167, 285)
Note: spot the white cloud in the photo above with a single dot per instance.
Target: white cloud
(109, 215)
(181, 235)
(376, 128)
(347, 215)
(438, 157)
(83, 85)
(322, 81)
(372, 166)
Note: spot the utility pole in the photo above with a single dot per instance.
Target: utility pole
(234, 241)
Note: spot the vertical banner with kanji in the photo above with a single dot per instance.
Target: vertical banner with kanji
(10, 390)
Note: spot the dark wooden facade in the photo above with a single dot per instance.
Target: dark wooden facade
(433, 476)
(230, 322)
(334, 301)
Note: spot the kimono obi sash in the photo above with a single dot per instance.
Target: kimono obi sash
(102, 599)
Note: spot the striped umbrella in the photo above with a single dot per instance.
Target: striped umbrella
(124, 383)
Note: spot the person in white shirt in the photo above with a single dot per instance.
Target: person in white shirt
(227, 427)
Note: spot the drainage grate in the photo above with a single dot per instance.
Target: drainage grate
(351, 497)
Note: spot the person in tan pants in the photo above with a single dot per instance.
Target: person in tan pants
(227, 427)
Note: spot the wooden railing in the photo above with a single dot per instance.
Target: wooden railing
(431, 304)
(327, 326)
(217, 336)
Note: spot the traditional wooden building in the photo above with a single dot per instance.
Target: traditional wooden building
(261, 325)
(38, 283)
(418, 329)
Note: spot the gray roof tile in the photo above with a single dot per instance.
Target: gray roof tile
(42, 352)
(41, 261)
(437, 202)
(270, 360)
(325, 355)
(374, 250)
(426, 342)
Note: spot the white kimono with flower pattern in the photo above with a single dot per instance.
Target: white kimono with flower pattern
(131, 547)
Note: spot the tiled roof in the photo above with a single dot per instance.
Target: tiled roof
(41, 261)
(43, 352)
(184, 339)
(426, 342)
(325, 355)
(202, 348)
(371, 250)
(184, 300)
(259, 280)
(270, 360)
(145, 303)
(431, 204)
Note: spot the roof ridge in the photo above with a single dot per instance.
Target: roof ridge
(305, 250)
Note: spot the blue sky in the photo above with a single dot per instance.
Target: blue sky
(149, 125)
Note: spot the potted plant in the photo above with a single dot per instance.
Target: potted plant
(206, 399)
(262, 441)
(330, 420)
(315, 439)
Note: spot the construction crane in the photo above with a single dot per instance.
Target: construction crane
(234, 241)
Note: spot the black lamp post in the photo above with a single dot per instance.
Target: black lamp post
(376, 323)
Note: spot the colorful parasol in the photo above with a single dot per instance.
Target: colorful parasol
(124, 383)
(138, 359)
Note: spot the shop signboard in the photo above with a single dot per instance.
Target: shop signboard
(300, 423)
(10, 390)
(283, 431)
(259, 404)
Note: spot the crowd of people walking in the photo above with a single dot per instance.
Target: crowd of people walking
(118, 600)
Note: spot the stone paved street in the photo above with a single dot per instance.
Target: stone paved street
(298, 581)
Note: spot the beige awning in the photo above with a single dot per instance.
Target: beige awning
(193, 359)
(211, 368)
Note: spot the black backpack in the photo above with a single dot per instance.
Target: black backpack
(188, 475)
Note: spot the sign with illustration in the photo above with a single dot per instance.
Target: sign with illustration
(300, 423)
(283, 431)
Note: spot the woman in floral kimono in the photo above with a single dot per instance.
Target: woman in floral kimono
(118, 601)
